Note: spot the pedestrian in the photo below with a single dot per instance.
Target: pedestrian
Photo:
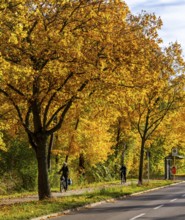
(65, 173)
(123, 172)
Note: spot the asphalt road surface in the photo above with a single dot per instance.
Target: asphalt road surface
(165, 204)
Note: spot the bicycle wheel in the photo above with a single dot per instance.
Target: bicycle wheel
(122, 179)
(62, 185)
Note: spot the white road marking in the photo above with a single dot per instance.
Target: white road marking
(173, 200)
(158, 207)
(138, 216)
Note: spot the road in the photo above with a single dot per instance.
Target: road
(165, 204)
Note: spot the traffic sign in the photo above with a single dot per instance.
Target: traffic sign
(174, 151)
(173, 170)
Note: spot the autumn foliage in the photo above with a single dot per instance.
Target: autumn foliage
(76, 67)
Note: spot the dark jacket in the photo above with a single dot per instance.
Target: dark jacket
(64, 170)
(123, 169)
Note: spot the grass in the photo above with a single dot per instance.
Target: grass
(18, 195)
(30, 210)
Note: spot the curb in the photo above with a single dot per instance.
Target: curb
(72, 210)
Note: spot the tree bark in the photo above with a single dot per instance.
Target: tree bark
(123, 154)
(81, 165)
(140, 179)
(49, 151)
(42, 159)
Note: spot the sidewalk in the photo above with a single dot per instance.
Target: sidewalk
(9, 201)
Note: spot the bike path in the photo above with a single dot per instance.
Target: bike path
(9, 201)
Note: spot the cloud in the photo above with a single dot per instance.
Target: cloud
(172, 13)
(159, 4)
(153, 5)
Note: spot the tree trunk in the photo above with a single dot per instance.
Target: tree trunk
(123, 154)
(49, 151)
(42, 159)
(81, 165)
(140, 179)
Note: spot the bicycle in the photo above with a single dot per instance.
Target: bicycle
(62, 184)
(123, 178)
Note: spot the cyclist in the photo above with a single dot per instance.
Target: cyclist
(123, 171)
(65, 173)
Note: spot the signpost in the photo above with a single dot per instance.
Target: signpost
(170, 163)
(174, 154)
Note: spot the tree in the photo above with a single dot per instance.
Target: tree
(56, 53)
(52, 52)
(150, 106)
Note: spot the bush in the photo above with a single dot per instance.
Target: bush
(18, 167)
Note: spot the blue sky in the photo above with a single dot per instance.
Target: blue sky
(172, 13)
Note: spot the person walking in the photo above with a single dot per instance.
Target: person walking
(65, 173)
